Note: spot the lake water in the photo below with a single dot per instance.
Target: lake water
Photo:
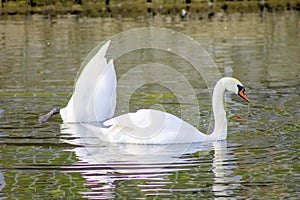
(40, 58)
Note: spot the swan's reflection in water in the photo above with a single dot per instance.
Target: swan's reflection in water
(104, 165)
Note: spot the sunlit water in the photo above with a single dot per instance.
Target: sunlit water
(40, 58)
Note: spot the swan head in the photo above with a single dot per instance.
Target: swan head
(235, 86)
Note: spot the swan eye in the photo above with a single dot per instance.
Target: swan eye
(240, 87)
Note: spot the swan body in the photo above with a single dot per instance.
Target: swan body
(94, 96)
(148, 126)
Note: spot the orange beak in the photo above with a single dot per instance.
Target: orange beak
(242, 94)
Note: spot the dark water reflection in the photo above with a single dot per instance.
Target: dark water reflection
(260, 159)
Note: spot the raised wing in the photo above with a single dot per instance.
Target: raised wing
(94, 96)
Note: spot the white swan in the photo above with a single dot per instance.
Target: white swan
(94, 97)
(94, 100)
(148, 126)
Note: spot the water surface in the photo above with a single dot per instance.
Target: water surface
(40, 58)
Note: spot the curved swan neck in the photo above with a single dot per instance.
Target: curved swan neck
(220, 126)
